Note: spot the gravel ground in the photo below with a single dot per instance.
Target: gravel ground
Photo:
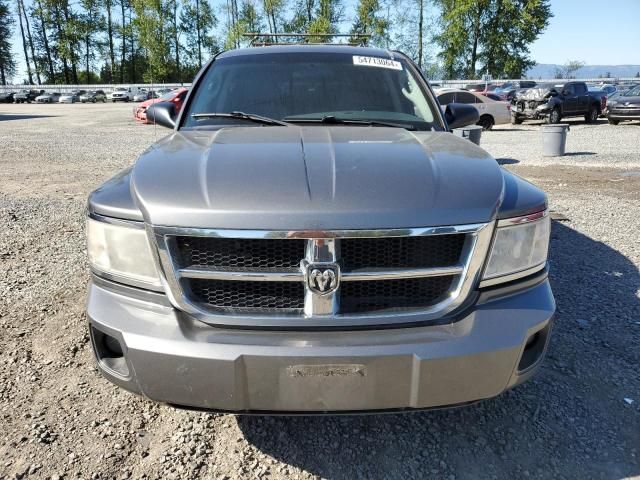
(579, 418)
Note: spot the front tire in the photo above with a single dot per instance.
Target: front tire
(516, 120)
(486, 122)
(613, 122)
(93, 100)
(554, 116)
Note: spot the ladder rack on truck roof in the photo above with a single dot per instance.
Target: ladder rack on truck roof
(267, 39)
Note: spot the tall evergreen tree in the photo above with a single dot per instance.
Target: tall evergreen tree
(24, 42)
(197, 22)
(369, 21)
(7, 60)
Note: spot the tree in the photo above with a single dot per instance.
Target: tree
(7, 61)
(638, 75)
(42, 22)
(90, 24)
(568, 69)
(369, 21)
(24, 43)
(489, 36)
(36, 65)
(328, 15)
(197, 21)
(151, 25)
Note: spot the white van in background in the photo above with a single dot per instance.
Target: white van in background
(124, 94)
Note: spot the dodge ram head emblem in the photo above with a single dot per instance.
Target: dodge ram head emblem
(322, 279)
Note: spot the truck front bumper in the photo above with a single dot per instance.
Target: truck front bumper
(148, 347)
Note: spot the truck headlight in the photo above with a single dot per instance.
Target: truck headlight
(122, 253)
(519, 248)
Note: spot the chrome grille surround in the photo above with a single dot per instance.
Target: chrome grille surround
(322, 247)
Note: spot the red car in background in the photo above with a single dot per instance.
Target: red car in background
(174, 96)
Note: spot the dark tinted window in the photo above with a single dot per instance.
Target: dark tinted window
(445, 98)
(311, 85)
(466, 97)
(569, 89)
(580, 88)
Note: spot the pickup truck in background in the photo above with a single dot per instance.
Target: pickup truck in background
(555, 102)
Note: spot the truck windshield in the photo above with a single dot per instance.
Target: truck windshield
(311, 87)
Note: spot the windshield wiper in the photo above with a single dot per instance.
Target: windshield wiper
(330, 119)
(242, 116)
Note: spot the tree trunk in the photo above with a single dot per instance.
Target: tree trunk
(72, 45)
(132, 50)
(24, 44)
(198, 34)
(61, 38)
(175, 39)
(124, 41)
(471, 71)
(420, 29)
(112, 55)
(46, 42)
(30, 38)
(3, 78)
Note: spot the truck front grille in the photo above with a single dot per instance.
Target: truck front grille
(242, 254)
(384, 295)
(218, 294)
(401, 252)
(372, 273)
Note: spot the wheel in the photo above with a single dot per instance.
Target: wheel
(554, 116)
(516, 120)
(592, 115)
(104, 100)
(93, 100)
(127, 100)
(113, 101)
(486, 122)
(613, 122)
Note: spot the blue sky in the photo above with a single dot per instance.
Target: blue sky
(593, 31)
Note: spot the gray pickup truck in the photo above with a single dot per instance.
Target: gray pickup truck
(311, 238)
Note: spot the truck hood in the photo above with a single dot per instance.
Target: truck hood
(315, 178)
(539, 93)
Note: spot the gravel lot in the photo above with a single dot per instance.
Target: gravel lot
(579, 418)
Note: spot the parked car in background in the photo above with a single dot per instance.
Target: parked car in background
(508, 90)
(625, 106)
(480, 87)
(310, 238)
(493, 96)
(27, 96)
(124, 94)
(554, 102)
(72, 97)
(174, 96)
(6, 97)
(608, 88)
(93, 96)
(48, 97)
(142, 96)
(491, 112)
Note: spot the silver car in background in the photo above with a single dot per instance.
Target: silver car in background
(72, 97)
(48, 97)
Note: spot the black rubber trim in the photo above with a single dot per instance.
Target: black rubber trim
(284, 413)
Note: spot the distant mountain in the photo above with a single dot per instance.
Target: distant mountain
(547, 70)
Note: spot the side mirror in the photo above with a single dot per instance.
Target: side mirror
(163, 114)
(460, 115)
